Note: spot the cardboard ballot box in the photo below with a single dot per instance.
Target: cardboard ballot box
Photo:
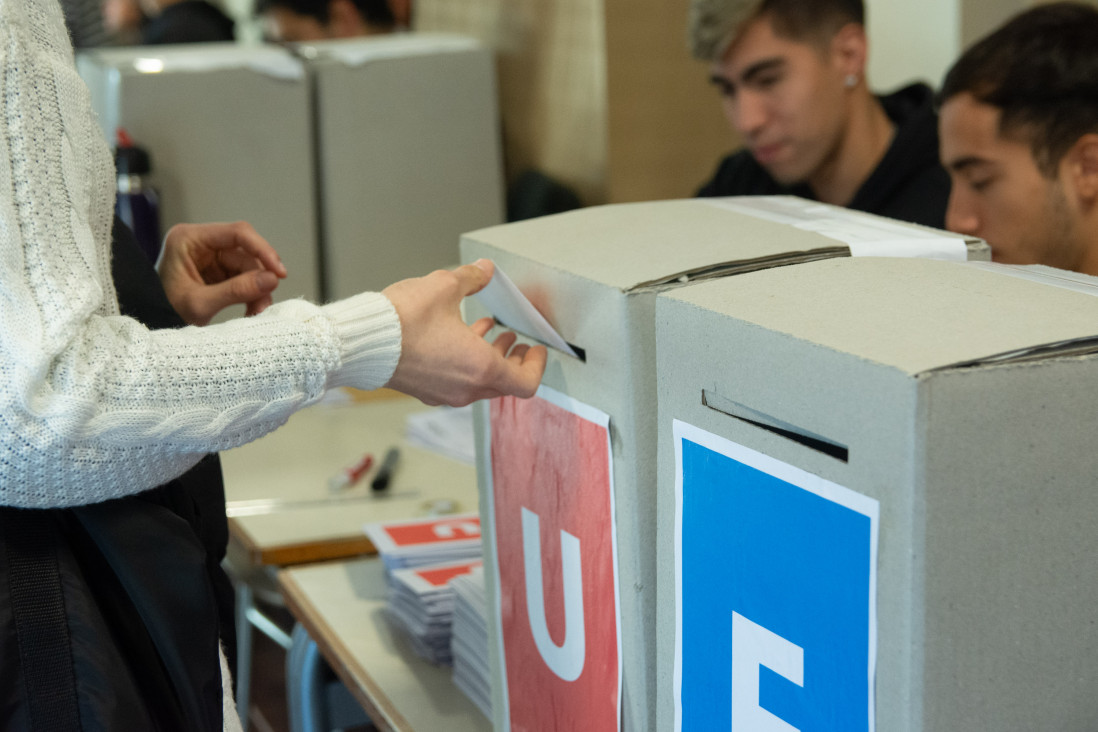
(876, 499)
(409, 152)
(594, 274)
(229, 131)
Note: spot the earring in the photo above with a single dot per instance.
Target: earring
(851, 81)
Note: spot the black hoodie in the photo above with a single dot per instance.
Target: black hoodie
(909, 183)
(190, 21)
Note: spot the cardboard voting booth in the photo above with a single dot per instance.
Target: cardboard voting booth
(594, 274)
(876, 499)
(361, 160)
(409, 152)
(229, 131)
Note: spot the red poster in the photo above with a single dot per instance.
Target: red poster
(552, 501)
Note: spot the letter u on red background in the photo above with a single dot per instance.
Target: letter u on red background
(556, 464)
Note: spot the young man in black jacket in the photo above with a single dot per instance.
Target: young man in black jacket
(1020, 138)
(791, 74)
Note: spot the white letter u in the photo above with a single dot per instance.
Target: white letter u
(565, 660)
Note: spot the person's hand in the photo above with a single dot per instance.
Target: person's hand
(445, 361)
(207, 267)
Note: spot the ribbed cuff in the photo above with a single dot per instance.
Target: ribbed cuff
(368, 329)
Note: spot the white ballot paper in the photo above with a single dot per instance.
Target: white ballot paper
(511, 308)
(443, 430)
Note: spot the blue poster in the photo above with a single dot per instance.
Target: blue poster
(776, 594)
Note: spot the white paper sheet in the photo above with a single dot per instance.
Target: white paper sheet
(867, 236)
(443, 430)
(511, 308)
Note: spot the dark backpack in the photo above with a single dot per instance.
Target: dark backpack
(110, 614)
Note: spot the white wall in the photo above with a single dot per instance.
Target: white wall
(919, 39)
(911, 40)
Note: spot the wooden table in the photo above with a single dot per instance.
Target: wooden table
(281, 511)
(341, 606)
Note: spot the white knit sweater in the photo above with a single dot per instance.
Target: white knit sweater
(93, 405)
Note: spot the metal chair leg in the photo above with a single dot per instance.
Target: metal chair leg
(244, 601)
(305, 684)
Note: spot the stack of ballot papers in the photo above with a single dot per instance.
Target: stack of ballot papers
(423, 541)
(444, 430)
(421, 601)
(469, 639)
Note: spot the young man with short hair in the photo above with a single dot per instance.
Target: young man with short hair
(1019, 127)
(792, 77)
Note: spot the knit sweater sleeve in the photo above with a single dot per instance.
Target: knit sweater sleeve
(93, 405)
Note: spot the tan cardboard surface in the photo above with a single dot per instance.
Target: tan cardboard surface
(625, 245)
(955, 314)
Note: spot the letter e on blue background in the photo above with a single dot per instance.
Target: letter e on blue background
(776, 594)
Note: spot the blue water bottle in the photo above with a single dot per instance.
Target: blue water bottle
(136, 202)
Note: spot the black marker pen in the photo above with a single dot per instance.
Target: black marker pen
(385, 471)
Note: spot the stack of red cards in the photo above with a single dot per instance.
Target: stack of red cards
(421, 601)
(421, 541)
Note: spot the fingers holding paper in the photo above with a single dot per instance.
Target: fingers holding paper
(445, 361)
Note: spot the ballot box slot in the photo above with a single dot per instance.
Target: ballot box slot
(580, 353)
(772, 424)
(737, 267)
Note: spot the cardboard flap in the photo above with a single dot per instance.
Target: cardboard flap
(914, 314)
